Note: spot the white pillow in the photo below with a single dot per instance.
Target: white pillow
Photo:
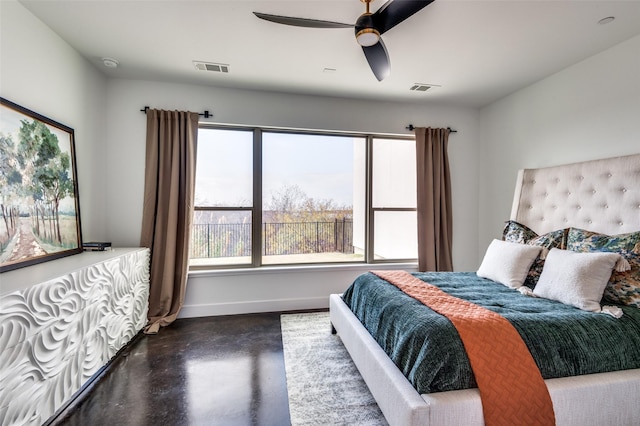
(576, 279)
(508, 263)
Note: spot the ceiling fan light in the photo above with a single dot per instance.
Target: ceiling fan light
(367, 37)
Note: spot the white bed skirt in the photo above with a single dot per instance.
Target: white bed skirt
(596, 399)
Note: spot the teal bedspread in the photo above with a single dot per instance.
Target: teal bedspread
(563, 340)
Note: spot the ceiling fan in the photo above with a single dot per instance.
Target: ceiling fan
(368, 28)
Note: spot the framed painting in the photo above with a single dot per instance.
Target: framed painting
(39, 205)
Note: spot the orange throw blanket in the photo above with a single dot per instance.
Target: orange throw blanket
(511, 387)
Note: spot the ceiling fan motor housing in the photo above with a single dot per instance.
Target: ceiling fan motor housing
(366, 33)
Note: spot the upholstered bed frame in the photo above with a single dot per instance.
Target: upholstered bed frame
(602, 196)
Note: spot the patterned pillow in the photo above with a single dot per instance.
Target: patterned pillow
(581, 240)
(517, 233)
(623, 287)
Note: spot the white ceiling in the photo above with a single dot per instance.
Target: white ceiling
(477, 51)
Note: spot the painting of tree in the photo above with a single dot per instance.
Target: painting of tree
(39, 202)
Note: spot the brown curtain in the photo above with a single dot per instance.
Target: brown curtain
(167, 209)
(435, 228)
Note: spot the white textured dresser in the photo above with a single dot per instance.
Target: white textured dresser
(61, 322)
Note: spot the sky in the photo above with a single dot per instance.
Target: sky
(10, 126)
(321, 166)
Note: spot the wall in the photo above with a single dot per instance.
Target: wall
(588, 111)
(41, 72)
(276, 288)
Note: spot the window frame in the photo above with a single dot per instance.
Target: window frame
(371, 210)
(257, 198)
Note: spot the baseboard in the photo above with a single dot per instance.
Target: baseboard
(250, 307)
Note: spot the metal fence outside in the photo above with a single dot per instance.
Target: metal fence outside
(211, 240)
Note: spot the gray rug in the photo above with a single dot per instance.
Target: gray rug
(325, 387)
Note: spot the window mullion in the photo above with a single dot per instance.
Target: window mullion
(256, 220)
(368, 220)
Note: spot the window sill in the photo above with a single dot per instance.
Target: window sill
(288, 269)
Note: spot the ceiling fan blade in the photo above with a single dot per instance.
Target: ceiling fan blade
(378, 59)
(301, 22)
(393, 12)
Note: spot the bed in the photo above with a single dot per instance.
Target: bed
(601, 196)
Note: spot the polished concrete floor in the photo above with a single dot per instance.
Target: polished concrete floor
(226, 370)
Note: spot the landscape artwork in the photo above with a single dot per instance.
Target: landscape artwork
(39, 206)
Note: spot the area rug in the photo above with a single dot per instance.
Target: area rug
(324, 386)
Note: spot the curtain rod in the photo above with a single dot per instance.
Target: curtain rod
(205, 114)
(411, 128)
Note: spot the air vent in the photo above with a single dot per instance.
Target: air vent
(210, 66)
(420, 87)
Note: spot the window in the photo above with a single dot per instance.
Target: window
(221, 233)
(274, 197)
(395, 220)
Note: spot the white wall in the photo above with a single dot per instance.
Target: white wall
(41, 72)
(588, 111)
(295, 288)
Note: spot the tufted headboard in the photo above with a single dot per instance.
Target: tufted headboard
(600, 195)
